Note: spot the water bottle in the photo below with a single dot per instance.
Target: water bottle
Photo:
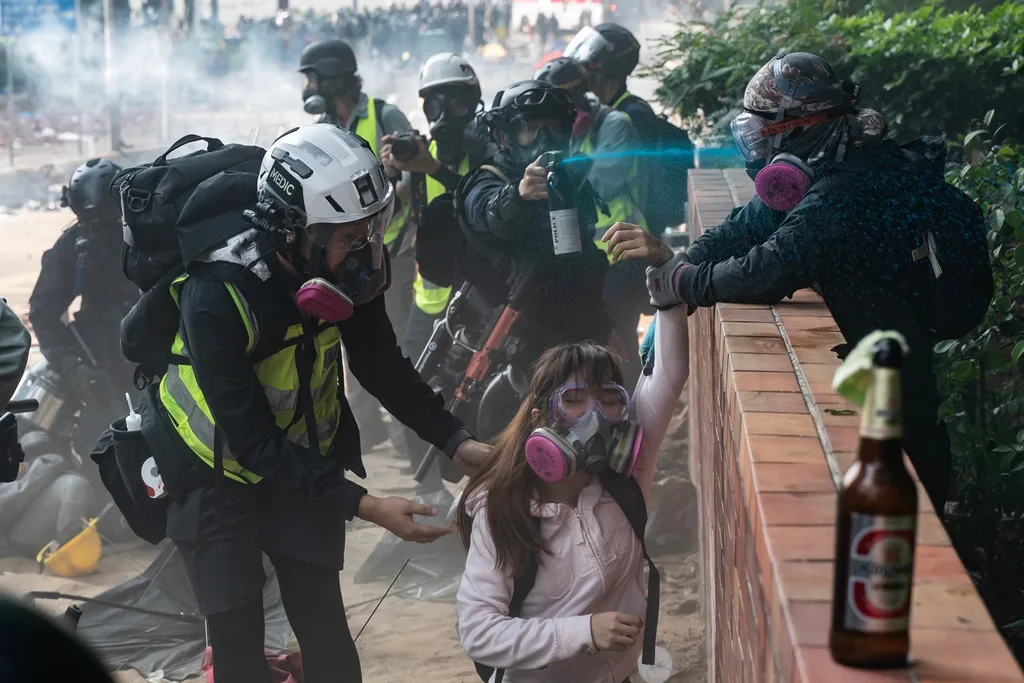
(562, 210)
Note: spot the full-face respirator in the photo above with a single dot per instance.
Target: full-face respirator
(597, 441)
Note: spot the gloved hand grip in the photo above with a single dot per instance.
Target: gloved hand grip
(661, 282)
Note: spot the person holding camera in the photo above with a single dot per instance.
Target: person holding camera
(334, 92)
(451, 94)
(503, 211)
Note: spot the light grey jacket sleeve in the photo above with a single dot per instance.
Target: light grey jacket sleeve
(392, 120)
(612, 173)
(15, 342)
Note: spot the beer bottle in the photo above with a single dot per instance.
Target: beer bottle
(876, 523)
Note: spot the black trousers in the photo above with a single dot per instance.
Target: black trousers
(311, 595)
(418, 329)
(925, 438)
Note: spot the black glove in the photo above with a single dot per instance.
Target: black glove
(82, 380)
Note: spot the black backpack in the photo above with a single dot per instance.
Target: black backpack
(951, 257)
(627, 493)
(955, 256)
(668, 158)
(152, 197)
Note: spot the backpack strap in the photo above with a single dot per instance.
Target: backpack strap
(378, 112)
(626, 492)
(595, 127)
(521, 587)
(494, 170)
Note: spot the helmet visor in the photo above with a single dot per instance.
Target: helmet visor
(746, 131)
(572, 403)
(343, 238)
(586, 46)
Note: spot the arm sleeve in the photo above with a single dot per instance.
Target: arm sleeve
(378, 363)
(745, 227)
(15, 343)
(495, 207)
(614, 167)
(216, 340)
(788, 260)
(493, 638)
(53, 293)
(658, 394)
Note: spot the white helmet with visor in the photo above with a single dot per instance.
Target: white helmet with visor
(327, 185)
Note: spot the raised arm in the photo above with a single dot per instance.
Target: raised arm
(657, 394)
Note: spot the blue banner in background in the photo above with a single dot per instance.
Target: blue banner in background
(26, 16)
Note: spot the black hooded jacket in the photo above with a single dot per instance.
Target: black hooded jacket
(850, 237)
(216, 340)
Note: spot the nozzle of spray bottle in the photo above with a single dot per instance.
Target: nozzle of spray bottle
(562, 209)
(132, 423)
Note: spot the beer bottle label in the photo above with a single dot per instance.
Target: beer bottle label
(565, 231)
(880, 573)
(881, 416)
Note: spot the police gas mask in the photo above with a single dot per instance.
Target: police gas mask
(591, 430)
(532, 137)
(449, 112)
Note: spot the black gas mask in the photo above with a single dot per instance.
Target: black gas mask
(318, 93)
(530, 138)
(449, 112)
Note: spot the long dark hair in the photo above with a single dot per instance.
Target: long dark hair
(507, 478)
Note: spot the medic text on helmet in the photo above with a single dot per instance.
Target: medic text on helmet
(284, 182)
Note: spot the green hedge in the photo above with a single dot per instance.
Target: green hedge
(928, 70)
(981, 378)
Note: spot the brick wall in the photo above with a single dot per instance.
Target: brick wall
(767, 455)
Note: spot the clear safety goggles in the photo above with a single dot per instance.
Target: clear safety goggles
(348, 237)
(571, 403)
(753, 133)
(586, 46)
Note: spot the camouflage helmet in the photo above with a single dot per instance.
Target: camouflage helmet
(796, 85)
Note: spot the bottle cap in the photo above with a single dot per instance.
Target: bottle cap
(133, 422)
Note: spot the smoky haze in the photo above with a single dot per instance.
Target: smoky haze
(226, 86)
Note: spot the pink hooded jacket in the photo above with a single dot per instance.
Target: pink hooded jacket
(596, 564)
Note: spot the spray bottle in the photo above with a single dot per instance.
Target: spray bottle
(562, 209)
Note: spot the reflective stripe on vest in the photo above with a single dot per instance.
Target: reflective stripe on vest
(278, 374)
(369, 129)
(431, 298)
(621, 208)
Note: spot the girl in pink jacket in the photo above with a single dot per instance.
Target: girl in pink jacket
(539, 497)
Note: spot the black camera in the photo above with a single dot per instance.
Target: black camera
(404, 146)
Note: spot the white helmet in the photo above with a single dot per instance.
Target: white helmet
(322, 178)
(447, 68)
